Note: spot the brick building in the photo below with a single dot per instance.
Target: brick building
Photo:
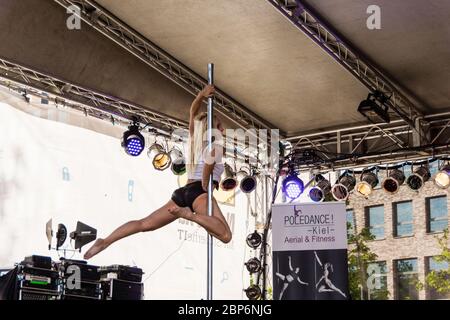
(405, 226)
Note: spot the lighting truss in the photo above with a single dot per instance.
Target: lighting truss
(375, 143)
(21, 79)
(317, 30)
(61, 92)
(110, 26)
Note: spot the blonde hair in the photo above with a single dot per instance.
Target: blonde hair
(197, 143)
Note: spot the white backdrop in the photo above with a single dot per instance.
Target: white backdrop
(35, 153)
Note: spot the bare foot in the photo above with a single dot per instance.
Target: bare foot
(184, 213)
(96, 248)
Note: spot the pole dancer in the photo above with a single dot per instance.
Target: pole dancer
(195, 201)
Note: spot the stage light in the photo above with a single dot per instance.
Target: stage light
(248, 184)
(160, 158)
(416, 180)
(393, 182)
(253, 292)
(341, 190)
(248, 181)
(229, 181)
(320, 190)
(61, 235)
(133, 141)
(374, 108)
(253, 265)
(369, 180)
(293, 187)
(254, 240)
(442, 178)
(178, 162)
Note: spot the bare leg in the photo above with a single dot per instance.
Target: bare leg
(216, 225)
(279, 275)
(323, 289)
(333, 287)
(156, 220)
(282, 290)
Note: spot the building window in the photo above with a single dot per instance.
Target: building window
(435, 266)
(403, 219)
(434, 168)
(375, 221)
(377, 281)
(350, 223)
(406, 279)
(437, 215)
(407, 171)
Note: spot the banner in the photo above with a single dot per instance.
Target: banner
(310, 251)
(50, 169)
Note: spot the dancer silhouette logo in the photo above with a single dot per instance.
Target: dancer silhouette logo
(310, 252)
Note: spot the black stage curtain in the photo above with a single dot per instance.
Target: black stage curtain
(8, 285)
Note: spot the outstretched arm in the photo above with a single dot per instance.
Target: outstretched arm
(196, 104)
(290, 264)
(317, 258)
(301, 282)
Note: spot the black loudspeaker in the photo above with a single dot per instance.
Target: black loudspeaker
(38, 262)
(121, 272)
(114, 289)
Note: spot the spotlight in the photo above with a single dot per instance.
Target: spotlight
(293, 187)
(253, 292)
(160, 158)
(369, 180)
(178, 162)
(254, 240)
(393, 182)
(248, 181)
(320, 190)
(133, 141)
(416, 180)
(341, 190)
(374, 108)
(61, 235)
(253, 265)
(229, 182)
(442, 178)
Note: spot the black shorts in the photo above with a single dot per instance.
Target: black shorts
(185, 196)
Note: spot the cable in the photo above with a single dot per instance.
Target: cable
(166, 259)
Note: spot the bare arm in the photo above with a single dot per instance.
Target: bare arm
(290, 264)
(318, 260)
(207, 171)
(197, 103)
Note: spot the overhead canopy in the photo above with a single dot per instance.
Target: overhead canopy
(262, 60)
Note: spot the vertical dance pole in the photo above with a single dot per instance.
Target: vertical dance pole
(209, 275)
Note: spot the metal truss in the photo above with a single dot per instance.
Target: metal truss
(311, 25)
(110, 26)
(28, 82)
(94, 103)
(381, 143)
